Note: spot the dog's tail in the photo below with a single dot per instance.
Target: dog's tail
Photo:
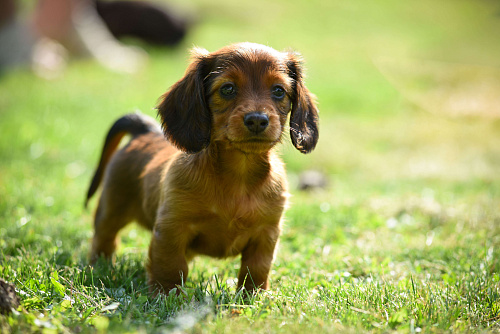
(134, 124)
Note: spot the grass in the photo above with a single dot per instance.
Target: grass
(406, 238)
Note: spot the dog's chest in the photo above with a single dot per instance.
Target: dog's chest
(224, 229)
(219, 244)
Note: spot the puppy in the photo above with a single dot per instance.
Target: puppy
(215, 187)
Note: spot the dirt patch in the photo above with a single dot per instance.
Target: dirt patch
(8, 298)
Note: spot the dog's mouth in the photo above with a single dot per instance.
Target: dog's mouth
(254, 145)
(264, 140)
(256, 140)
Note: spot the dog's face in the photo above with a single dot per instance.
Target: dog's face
(240, 96)
(249, 95)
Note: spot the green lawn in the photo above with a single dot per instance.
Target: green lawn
(406, 238)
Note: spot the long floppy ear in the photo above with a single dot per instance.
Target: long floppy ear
(304, 130)
(185, 116)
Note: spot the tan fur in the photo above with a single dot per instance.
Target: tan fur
(227, 195)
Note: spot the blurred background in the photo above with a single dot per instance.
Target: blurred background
(408, 91)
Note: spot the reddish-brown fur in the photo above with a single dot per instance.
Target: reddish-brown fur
(216, 187)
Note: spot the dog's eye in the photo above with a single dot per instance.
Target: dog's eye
(228, 90)
(278, 92)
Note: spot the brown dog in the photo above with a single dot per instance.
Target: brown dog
(220, 189)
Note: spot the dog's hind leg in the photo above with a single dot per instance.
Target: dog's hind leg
(107, 224)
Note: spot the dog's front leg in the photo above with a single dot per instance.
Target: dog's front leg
(256, 261)
(167, 266)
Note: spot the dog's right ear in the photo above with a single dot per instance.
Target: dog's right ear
(304, 114)
(186, 119)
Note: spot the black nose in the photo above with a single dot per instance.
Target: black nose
(256, 122)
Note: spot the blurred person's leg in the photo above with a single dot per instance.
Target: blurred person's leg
(84, 28)
(78, 27)
(52, 19)
(16, 38)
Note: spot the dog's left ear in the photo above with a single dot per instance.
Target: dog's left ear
(184, 112)
(304, 130)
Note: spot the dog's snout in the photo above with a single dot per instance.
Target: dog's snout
(256, 122)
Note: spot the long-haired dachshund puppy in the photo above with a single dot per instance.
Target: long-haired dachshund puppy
(215, 187)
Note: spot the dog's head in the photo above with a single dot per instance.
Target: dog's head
(240, 95)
